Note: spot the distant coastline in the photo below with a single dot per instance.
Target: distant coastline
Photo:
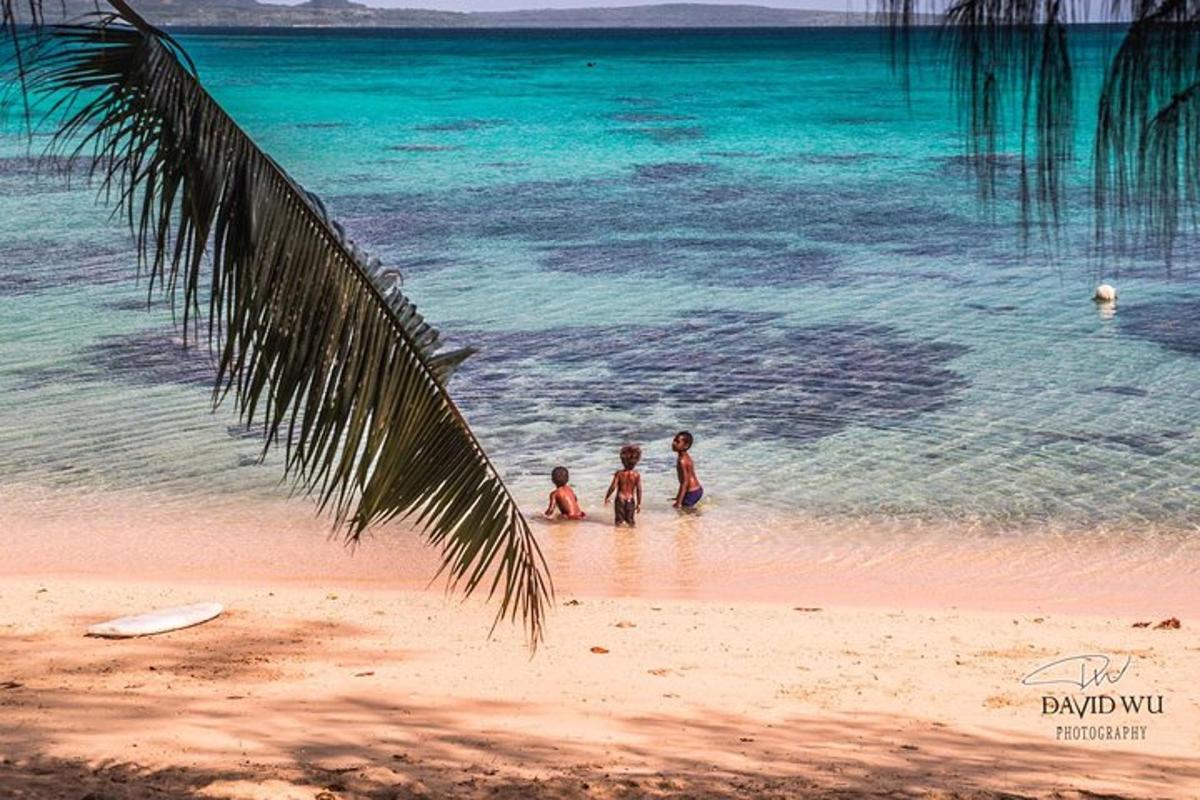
(347, 14)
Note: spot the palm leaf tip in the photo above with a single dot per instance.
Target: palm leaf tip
(1145, 156)
(313, 338)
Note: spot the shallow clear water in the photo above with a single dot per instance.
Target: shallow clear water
(754, 235)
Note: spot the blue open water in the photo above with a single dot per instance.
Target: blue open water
(753, 235)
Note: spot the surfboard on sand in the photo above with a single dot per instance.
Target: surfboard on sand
(161, 621)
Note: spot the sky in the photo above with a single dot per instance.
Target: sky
(508, 5)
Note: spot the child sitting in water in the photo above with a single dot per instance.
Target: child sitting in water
(690, 490)
(563, 496)
(627, 483)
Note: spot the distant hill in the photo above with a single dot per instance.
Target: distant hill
(347, 13)
(670, 15)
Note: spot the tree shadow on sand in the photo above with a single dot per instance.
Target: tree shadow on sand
(455, 750)
(238, 712)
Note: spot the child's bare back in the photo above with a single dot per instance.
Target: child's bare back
(627, 483)
(563, 497)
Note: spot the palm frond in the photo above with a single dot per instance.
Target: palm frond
(14, 19)
(1011, 68)
(1146, 152)
(1145, 159)
(313, 339)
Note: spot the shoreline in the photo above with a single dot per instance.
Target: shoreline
(679, 661)
(686, 558)
(861, 672)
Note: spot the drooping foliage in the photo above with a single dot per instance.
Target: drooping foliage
(313, 339)
(1014, 55)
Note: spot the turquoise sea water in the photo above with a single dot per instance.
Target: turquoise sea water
(756, 236)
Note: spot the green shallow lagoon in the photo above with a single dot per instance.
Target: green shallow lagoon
(754, 235)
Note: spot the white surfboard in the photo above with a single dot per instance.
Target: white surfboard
(161, 621)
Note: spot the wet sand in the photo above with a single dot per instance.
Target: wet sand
(324, 680)
(708, 556)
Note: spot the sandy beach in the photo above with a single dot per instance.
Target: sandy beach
(925, 320)
(319, 687)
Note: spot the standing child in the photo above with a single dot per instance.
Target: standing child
(563, 497)
(627, 483)
(690, 490)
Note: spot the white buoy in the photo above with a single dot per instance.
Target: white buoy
(1105, 293)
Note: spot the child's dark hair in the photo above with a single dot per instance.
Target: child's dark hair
(687, 439)
(560, 476)
(631, 454)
